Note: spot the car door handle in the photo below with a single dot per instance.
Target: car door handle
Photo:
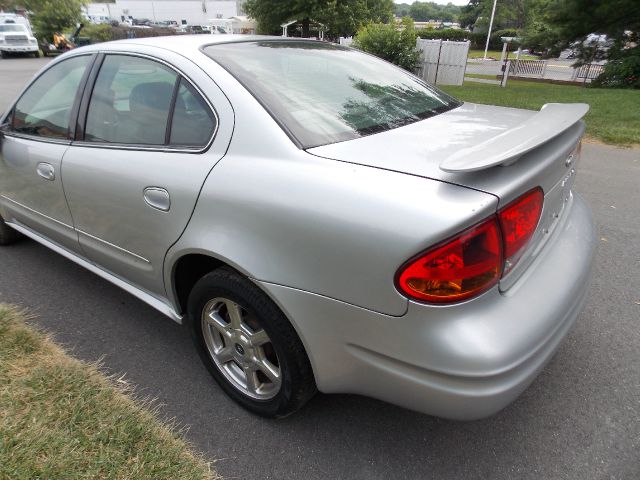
(157, 198)
(46, 171)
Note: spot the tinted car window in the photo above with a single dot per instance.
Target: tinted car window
(193, 122)
(324, 93)
(45, 108)
(130, 102)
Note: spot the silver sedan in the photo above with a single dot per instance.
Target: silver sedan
(319, 219)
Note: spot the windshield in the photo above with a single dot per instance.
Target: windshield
(12, 28)
(324, 93)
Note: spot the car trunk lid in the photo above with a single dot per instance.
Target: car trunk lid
(502, 151)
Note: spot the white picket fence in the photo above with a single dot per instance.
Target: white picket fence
(442, 62)
(445, 63)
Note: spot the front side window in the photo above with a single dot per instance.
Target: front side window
(131, 101)
(45, 108)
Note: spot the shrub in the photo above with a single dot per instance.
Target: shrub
(444, 34)
(387, 41)
(98, 33)
(479, 40)
(54, 16)
(622, 70)
(105, 33)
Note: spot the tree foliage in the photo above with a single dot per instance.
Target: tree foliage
(424, 11)
(386, 41)
(622, 70)
(470, 13)
(577, 18)
(556, 24)
(50, 16)
(9, 5)
(509, 14)
(348, 16)
(342, 17)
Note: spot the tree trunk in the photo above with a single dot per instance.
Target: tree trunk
(305, 27)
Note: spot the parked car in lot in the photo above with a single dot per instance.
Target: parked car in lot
(319, 218)
(191, 29)
(16, 38)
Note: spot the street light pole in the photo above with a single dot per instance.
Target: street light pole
(493, 12)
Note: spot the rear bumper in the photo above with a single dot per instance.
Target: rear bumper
(464, 361)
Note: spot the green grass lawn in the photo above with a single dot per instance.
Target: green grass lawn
(482, 75)
(61, 418)
(496, 54)
(614, 116)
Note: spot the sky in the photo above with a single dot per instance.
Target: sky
(443, 2)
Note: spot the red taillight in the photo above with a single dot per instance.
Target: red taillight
(473, 261)
(460, 268)
(518, 222)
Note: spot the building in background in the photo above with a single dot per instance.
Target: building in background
(184, 12)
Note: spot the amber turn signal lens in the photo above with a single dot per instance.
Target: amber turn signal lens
(457, 269)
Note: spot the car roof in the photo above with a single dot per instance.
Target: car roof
(183, 43)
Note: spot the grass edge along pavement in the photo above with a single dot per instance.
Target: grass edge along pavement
(63, 418)
(613, 115)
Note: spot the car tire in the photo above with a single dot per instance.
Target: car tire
(3, 54)
(255, 355)
(7, 234)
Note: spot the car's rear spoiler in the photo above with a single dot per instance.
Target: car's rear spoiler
(506, 148)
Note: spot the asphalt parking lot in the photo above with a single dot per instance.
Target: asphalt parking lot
(580, 419)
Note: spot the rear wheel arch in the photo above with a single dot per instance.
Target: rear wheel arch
(192, 267)
(186, 272)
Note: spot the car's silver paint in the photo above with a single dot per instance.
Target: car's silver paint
(460, 361)
(32, 200)
(281, 215)
(323, 232)
(419, 147)
(332, 228)
(511, 144)
(83, 236)
(105, 189)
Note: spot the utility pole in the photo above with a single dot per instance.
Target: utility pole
(493, 12)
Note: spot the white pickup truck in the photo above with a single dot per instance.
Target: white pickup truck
(16, 38)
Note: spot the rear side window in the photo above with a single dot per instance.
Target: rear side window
(193, 123)
(131, 101)
(45, 108)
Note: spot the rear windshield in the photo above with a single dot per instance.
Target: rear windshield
(324, 93)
